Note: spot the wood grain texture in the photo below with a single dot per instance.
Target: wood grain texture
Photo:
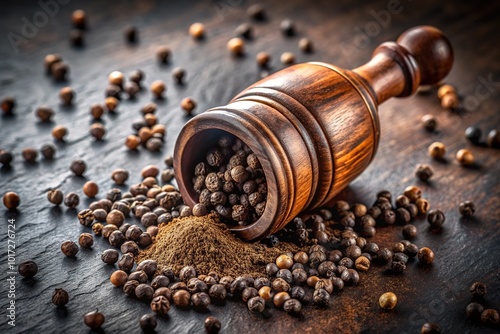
(466, 249)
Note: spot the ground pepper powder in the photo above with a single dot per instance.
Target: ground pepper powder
(209, 246)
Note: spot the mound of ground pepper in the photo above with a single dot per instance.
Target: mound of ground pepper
(209, 246)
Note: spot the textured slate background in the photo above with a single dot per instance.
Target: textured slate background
(466, 251)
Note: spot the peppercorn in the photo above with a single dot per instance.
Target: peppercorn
(422, 205)
(78, 17)
(465, 157)
(467, 208)
(160, 305)
(115, 217)
(131, 34)
(321, 298)
(450, 101)
(94, 319)
(163, 54)
(126, 262)
(236, 46)
(55, 196)
(188, 104)
(437, 150)
(90, 189)
(27, 268)
(6, 157)
(430, 328)
(110, 256)
(97, 130)
(287, 58)
(306, 45)
(384, 255)
(111, 103)
(490, 317)
(44, 113)
(136, 76)
(287, 28)
(120, 176)
(118, 278)
(474, 311)
(256, 12)
(132, 142)
(66, 94)
(181, 298)
(148, 323)
(388, 301)
(59, 132)
(69, 248)
(413, 193)
(11, 200)
(266, 293)
(436, 218)
(280, 298)
(60, 297)
(76, 37)
(71, 200)
(424, 172)
(429, 122)
(425, 255)
(78, 167)
(197, 30)
(86, 240)
(478, 289)
(49, 61)
(409, 231)
(493, 139)
(212, 325)
(8, 104)
(362, 263)
(48, 151)
(59, 71)
(473, 134)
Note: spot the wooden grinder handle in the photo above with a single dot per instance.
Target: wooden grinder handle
(421, 56)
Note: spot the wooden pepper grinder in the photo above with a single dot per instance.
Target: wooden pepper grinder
(313, 126)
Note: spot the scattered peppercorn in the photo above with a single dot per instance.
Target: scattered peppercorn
(429, 122)
(473, 134)
(27, 268)
(179, 75)
(48, 151)
(287, 28)
(131, 34)
(478, 289)
(388, 301)
(55, 196)
(490, 317)
(244, 30)
(76, 38)
(493, 139)
(11, 200)
(78, 167)
(212, 325)
(6, 157)
(163, 54)
(59, 132)
(158, 87)
(430, 328)
(97, 130)
(236, 46)
(306, 45)
(69, 248)
(148, 323)
(437, 150)
(425, 255)
(8, 104)
(71, 200)
(467, 208)
(409, 231)
(90, 189)
(60, 297)
(256, 12)
(78, 17)
(188, 104)
(197, 30)
(287, 58)
(436, 218)
(94, 319)
(424, 172)
(66, 94)
(263, 58)
(474, 311)
(465, 157)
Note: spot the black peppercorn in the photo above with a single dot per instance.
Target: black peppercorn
(94, 319)
(78, 167)
(424, 172)
(478, 289)
(71, 200)
(148, 322)
(144, 292)
(436, 218)
(130, 34)
(429, 122)
(490, 317)
(474, 310)
(384, 255)
(467, 208)
(493, 139)
(212, 325)
(409, 231)
(292, 306)
(110, 256)
(473, 134)
(60, 297)
(287, 27)
(403, 216)
(398, 266)
(69, 248)
(160, 305)
(200, 300)
(27, 269)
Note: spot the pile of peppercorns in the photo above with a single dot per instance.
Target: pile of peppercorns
(231, 182)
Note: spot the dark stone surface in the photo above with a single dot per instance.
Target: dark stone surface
(466, 250)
